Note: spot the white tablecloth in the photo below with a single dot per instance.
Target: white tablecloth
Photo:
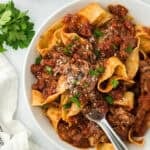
(39, 10)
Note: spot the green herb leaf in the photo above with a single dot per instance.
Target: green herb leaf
(15, 26)
(76, 38)
(129, 49)
(48, 69)
(97, 53)
(97, 71)
(2, 49)
(6, 16)
(97, 33)
(38, 60)
(109, 99)
(75, 99)
(93, 72)
(67, 49)
(75, 82)
(115, 83)
(67, 105)
(101, 69)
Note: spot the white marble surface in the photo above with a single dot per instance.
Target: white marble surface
(38, 10)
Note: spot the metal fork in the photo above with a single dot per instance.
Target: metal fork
(99, 119)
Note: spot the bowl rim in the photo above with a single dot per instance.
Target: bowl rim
(44, 23)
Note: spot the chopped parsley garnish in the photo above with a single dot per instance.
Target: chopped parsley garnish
(75, 82)
(129, 49)
(38, 60)
(16, 30)
(67, 49)
(97, 53)
(67, 105)
(115, 83)
(76, 38)
(48, 69)
(97, 71)
(101, 69)
(75, 100)
(97, 33)
(109, 99)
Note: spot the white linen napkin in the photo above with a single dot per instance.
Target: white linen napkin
(13, 135)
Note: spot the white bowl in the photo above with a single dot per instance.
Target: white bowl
(139, 10)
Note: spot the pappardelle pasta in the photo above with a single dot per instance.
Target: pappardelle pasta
(94, 59)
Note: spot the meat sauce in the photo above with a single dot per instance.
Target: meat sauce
(80, 65)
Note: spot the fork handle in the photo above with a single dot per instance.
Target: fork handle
(113, 137)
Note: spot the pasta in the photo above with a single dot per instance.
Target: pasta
(94, 59)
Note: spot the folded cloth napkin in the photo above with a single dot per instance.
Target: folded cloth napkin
(13, 135)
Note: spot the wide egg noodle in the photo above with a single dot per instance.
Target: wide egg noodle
(49, 38)
(132, 62)
(95, 14)
(54, 114)
(135, 140)
(105, 146)
(72, 111)
(38, 99)
(114, 70)
(69, 37)
(144, 34)
(127, 101)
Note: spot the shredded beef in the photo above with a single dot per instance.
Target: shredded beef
(118, 10)
(143, 109)
(121, 120)
(78, 24)
(118, 36)
(80, 132)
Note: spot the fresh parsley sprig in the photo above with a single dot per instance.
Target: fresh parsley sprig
(16, 30)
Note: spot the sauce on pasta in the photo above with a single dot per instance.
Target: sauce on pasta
(94, 59)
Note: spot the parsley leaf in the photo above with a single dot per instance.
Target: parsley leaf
(38, 60)
(5, 17)
(76, 38)
(67, 105)
(97, 33)
(75, 99)
(129, 49)
(48, 69)
(115, 83)
(109, 99)
(75, 82)
(15, 27)
(97, 71)
(97, 53)
(67, 49)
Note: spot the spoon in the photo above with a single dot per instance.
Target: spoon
(99, 119)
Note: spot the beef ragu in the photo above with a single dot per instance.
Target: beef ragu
(92, 61)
